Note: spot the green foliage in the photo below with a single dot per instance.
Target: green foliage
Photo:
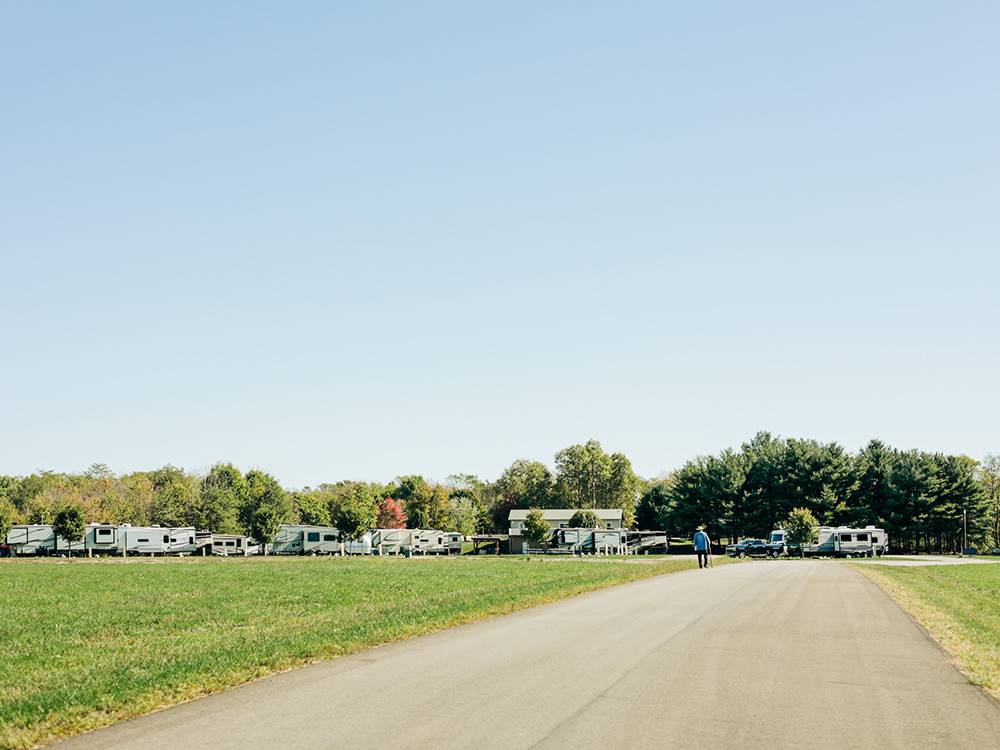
(653, 507)
(536, 528)
(354, 510)
(426, 506)
(587, 477)
(526, 484)
(175, 497)
(801, 526)
(70, 523)
(989, 483)
(312, 507)
(266, 507)
(585, 519)
(7, 514)
(222, 493)
(463, 512)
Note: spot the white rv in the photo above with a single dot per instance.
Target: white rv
(183, 540)
(605, 541)
(229, 544)
(303, 539)
(143, 540)
(838, 541)
(101, 538)
(31, 539)
(360, 546)
(609, 541)
(391, 541)
(436, 542)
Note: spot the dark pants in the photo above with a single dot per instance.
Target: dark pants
(702, 558)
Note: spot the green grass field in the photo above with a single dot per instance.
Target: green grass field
(959, 605)
(87, 643)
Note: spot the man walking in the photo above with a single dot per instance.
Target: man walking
(703, 548)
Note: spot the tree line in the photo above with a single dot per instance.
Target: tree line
(923, 500)
(919, 498)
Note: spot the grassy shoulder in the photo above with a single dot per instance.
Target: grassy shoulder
(84, 643)
(959, 605)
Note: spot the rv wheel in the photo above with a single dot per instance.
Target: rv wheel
(848, 555)
(742, 553)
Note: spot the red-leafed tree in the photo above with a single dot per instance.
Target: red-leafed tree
(391, 514)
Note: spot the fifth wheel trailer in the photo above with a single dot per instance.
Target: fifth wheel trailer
(304, 539)
(837, 541)
(31, 539)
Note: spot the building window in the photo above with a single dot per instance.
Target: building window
(607, 525)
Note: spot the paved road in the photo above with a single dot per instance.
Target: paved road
(738, 656)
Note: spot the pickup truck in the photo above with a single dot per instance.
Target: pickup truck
(751, 548)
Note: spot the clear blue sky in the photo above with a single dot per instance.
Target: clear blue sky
(355, 240)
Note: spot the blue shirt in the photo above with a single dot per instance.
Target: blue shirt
(701, 542)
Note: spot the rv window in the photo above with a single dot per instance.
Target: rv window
(845, 537)
(230, 543)
(142, 540)
(239, 542)
(104, 532)
(329, 538)
(862, 537)
(190, 540)
(312, 536)
(166, 538)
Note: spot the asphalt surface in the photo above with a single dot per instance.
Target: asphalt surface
(756, 655)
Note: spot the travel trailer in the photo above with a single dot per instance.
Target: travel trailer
(360, 546)
(303, 539)
(391, 541)
(589, 541)
(647, 542)
(182, 540)
(31, 539)
(436, 542)
(143, 540)
(835, 541)
(100, 538)
(226, 545)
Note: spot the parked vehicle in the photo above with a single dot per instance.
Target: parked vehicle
(226, 545)
(752, 548)
(31, 539)
(647, 542)
(304, 539)
(836, 541)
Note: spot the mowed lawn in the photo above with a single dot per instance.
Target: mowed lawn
(86, 643)
(959, 605)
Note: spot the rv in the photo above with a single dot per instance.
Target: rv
(229, 544)
(608, 541)
(303, 539)
(391, 541)
(143, 540)
(182, 540)
(100, 538)
(360, 546)
(31, 539)
(647, 542)
(836, 541)
(435, 542)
